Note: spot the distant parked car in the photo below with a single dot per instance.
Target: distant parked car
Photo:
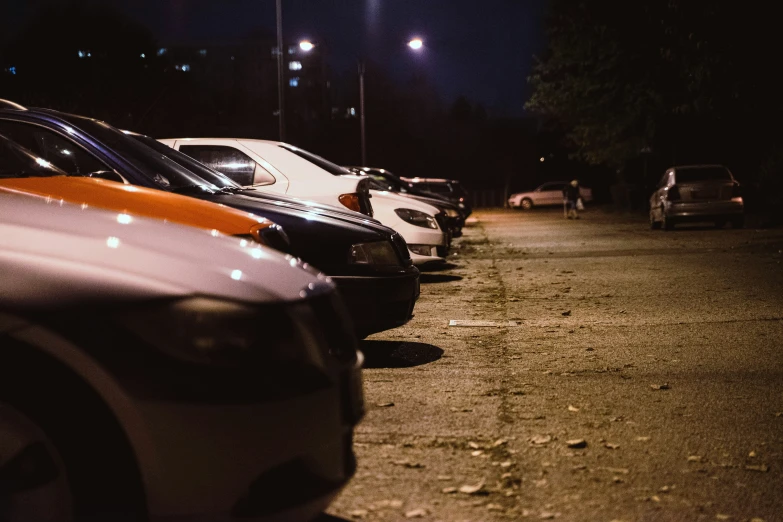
(451, 189)
(548, 194)
(694, 193)
(152, 371)
(383, 180)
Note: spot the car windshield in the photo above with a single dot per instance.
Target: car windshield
(158, 168)
(325, 164)
(183, 160)
(695, 174)
(18, 162)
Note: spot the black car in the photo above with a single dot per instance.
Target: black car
(382, 179)
(450, 189)
(369, 262)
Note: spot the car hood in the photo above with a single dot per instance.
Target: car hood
(54, 254)
(139, 201)
(382, 197)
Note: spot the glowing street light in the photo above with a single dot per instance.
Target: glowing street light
(416, 44)
(306, 45)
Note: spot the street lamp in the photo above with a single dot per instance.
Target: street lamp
(306, 45)
(416, 44)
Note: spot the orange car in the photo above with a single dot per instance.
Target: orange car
(131, 199)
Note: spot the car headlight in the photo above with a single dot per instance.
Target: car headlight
(375, 253)
(206, 331)
(417, 218)
(452, 213)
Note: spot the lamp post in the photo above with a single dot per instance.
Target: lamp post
(416, 44)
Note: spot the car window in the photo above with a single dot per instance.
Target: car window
(51, 147)
(546, 187)
(18, 162)
(230, 161)
(378, 183)
(438, 188)
(696, 174)
(664, 180)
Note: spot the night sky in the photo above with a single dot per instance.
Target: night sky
(480, 49)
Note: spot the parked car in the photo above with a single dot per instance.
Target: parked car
(152, 370)
(383, 180)
(451, 189)
(693, 193)
(369, 262)
(548, 194)
(23, 172)
(294, 170)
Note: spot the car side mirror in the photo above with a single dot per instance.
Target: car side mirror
(108, 175)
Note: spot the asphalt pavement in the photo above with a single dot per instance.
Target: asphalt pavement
(612, 373)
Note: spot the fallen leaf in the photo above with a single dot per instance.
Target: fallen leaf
(499, 442)
(476, 453)
(473, 445)
(664, 489)
(752, 454)
(617, 480)
(761, 467)
(395, 503)
(541, 439)
(642, 439)
(611, 445)
(506, 464)
(444, 477)
(358, 513)
(757, 519)
(448, 491)
(566, 313)
(655, 498)
(576, 443)
(471, 489)
(505, 475)
(694, 458)
(547, 515)
(494, 507)
(385, 404)
(416, 513)
(663, 386)
(573, 408)
(721, 516)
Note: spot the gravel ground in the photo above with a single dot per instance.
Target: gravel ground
(636, 377)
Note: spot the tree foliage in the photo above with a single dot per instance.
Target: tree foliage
(665, 75)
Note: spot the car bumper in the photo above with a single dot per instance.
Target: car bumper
(379, 303)
(420, 260)
(281, 460)
(707, 210)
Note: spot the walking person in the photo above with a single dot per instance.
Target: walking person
(571, 199)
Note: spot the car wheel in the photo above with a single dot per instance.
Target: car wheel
(654, 225)
(92, 471)
(33, 483)
(738, 222)
(526, 204)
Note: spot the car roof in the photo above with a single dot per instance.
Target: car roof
(699, 166)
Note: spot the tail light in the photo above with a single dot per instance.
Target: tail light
(351, 201)
(673, 194)
(735, 191)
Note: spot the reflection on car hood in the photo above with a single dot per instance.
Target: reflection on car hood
(56, 254)
(399, 201)
(310, 206)
(139, 201)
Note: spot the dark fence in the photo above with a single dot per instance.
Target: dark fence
(487, 198)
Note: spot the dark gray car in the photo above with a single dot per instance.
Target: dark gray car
(697, 193)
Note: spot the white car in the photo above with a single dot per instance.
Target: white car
(274, 166)
(150, 370)
(547, 194)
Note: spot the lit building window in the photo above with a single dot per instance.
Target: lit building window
(12, 70)
(202, 52)
(352, 111)
(161, 51)
(295, 66)
(143, 55)
(232, 58)
(294, 82)
(292, 50)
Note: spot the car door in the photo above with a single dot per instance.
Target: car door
(235, 161)
(549, 194)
